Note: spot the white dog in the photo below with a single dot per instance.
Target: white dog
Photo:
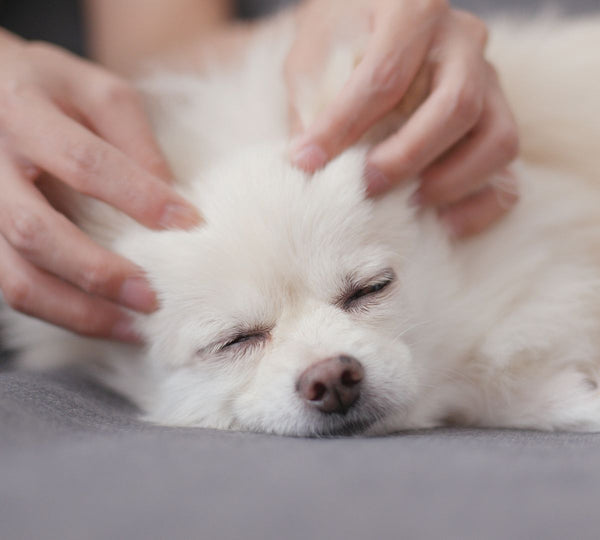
(303, 308)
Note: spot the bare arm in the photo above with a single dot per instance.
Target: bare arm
(121, 32)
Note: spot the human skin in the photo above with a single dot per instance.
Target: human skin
(87, 129)
(85, 126)
(459, 141)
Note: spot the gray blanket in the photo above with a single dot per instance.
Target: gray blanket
(75, 463)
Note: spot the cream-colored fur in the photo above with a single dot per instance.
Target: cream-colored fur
(501, 330)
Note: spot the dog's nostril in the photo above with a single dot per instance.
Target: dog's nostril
(332, 385)
(351, 377)
(318, 391)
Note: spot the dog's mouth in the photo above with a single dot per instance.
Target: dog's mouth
(356, 422)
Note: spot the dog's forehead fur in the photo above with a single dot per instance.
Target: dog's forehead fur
(293, 235)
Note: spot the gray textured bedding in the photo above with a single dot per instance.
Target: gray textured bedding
(75, 463)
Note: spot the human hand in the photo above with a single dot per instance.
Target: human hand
(459, 141)
(87, 128)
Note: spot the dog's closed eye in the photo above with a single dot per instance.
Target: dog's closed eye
(236, 341)
(357, 294)
(246, 339)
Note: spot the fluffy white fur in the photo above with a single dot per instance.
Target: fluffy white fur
(501, 330)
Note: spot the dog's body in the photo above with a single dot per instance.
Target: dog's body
(291, 272)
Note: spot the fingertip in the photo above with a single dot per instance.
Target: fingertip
(180, 215)
(308, 156)
(136, 293)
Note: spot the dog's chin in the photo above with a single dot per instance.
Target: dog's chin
(358, 421)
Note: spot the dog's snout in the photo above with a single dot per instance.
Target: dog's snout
(332, 385)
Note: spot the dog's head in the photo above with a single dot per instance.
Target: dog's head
(284, 312)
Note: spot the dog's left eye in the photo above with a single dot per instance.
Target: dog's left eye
(378, 285)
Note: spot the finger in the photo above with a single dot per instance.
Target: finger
(26, 169)
(114, 111)
(93, 167)
(376, 85)
(478, 211)
(453, 108)
(105, 103)
(50, 241)
(491, 146)
(293, 114)
(36, 293)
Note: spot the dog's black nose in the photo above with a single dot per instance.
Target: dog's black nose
(332, 385)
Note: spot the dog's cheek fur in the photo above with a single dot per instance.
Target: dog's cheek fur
(271, 403)
(257, 390)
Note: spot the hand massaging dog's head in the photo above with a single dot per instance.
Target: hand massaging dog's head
(284, 312)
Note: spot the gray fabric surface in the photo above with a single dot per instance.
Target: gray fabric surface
(76, 464)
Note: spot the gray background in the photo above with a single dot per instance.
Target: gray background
(76, 464)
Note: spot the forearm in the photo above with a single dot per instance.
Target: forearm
(123, 32)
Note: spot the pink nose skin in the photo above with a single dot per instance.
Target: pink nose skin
(332, 385)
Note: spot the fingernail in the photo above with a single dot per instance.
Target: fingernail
(377, 182)
(123, 331)
(506, 187)
(136, 294)
(179, 216)
(309, 158)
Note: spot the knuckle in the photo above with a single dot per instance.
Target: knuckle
(13, 94)
(42, 53)
(507, 142)
(85, 162)
(407, 160)
(117, 92)
(475, 26)
(94, 277)
(397, 162)
(465, 104)
(17, 292)
(385, 77)
(24, 230)
(433, 7)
